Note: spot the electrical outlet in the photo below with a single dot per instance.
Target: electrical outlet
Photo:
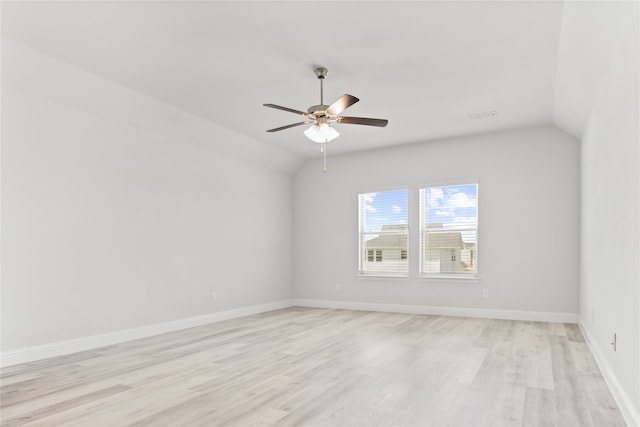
(338, 287)
(485, 293)
(214, 297)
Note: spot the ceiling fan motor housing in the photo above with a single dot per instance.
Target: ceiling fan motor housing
(321, 72)
(318, 110)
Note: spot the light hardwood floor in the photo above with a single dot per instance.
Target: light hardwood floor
(302, 366)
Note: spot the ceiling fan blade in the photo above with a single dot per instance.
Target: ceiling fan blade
(344, 102)
(291, 110)
(362, 121)
(290, 126)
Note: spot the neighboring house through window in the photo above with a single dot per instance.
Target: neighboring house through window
(383, 218)
(449, 230)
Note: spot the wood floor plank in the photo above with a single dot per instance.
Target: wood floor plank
(539, 408)
(571, 405)
(61, 406)
(573, 332)
(322, 367)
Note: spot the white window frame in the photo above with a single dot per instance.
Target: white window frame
(474, 275)
(362, 251)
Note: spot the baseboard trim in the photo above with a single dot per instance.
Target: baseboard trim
(30, 354)
(625, 403)
(537, 316)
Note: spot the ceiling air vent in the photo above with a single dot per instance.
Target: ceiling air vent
(485, 115)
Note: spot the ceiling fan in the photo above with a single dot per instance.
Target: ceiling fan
(321, 116)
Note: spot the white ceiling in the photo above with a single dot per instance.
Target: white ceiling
(425, 66)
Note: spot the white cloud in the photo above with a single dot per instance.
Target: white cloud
(444, 212)
(396, 209)
(435, 195)
(368, 198)
(465, 221)
(460, 200)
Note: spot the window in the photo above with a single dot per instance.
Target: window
(449, 230)
(374, 255)
(383, 233)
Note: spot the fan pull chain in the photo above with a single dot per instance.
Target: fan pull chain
(323, 150)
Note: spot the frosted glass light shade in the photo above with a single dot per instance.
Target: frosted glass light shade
(321, 133)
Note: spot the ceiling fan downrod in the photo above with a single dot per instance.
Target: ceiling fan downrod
(321, 73)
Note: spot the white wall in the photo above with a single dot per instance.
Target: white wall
(108, 225)
(610, 231)
(528, 222)
(589, 33)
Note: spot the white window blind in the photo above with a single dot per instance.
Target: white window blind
(449, 230)
(384, 233)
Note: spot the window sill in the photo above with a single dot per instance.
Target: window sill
(451, 278)
(380, 276)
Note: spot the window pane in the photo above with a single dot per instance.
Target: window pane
(449, 224)
(447, 252)
(383, 209)
(383, 232)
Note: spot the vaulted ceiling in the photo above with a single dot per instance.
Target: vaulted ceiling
(431, 68)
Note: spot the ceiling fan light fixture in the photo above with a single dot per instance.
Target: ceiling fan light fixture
(321, 133)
